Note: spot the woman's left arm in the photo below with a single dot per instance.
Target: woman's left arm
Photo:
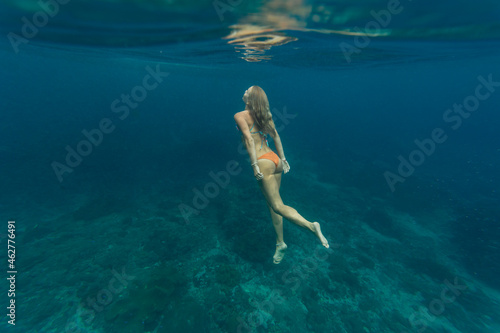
(250, 145)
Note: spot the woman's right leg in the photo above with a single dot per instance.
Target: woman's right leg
(270, 188)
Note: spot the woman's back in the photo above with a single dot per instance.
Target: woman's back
(259, 137)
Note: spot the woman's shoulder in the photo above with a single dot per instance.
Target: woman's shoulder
(241, 114)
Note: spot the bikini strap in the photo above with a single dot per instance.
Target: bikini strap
(264, 136)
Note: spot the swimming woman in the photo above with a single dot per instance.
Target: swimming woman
(255, 123)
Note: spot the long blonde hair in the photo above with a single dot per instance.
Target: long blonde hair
(258, 105)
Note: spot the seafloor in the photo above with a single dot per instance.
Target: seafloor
(115, 262)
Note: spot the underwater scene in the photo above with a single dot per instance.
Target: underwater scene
(144, 186)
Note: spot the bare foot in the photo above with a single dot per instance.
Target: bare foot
(280, 252)
(317, 231)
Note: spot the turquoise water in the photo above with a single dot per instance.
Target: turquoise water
(135, 206)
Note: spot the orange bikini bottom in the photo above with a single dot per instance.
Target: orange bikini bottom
(271, 156)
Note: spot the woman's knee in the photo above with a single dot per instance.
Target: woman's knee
(277, 208)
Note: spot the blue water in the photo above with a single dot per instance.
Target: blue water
(116, 115)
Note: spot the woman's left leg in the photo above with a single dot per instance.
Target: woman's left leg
(280, 243)
(276, 218)
(278, 225)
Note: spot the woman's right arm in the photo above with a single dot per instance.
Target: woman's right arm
(279, 147)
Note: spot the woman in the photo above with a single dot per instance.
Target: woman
(255, 123)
